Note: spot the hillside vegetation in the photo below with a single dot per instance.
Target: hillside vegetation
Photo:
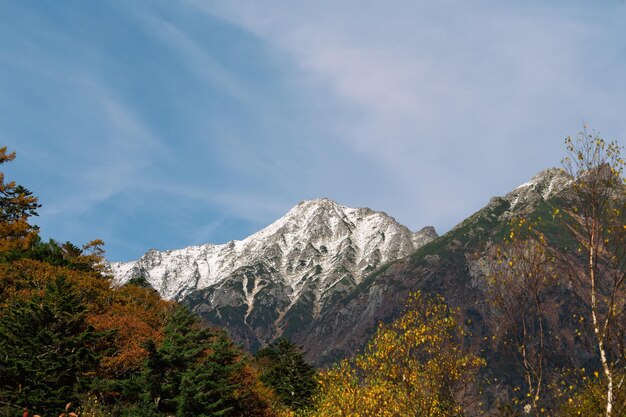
(67, 336)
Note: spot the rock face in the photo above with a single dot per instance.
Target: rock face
(541, 187)
(283, 278)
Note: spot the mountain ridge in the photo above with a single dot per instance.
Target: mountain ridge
(300, 215)
(324, 274)
(456, 266)
(285, 274)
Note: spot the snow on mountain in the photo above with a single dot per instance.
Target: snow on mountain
(544, 185)
(317, 234)
(282, 278)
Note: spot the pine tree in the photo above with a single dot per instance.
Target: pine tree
(286, 371)
(208, 389)
(196, 372)
(45, 349)
(166, 363)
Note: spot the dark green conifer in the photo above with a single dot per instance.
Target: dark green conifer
(285, 370)
(193, 372)
(46, 358)
(209, 387)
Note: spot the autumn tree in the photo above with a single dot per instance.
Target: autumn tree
(588, 398)
(596, 220)
(135, 316)
(17, 204)
(522, 271)
(414, 366)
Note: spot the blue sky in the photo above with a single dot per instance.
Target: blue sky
(163, 124)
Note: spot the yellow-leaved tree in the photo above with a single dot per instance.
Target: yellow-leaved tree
(414, 366)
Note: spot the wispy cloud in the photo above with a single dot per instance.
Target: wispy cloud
(450, 91)
(200, 62)
(113, 162)
(244, 204)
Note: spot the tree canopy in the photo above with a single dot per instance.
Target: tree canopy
(17, 204)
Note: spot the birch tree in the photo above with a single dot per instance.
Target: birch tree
(596, 220)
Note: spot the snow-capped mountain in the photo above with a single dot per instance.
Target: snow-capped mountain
(282, 277)
(324, 275)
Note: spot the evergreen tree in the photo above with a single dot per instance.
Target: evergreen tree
(45, 349)
(195, 371)
(208, 389)
(286, 371)
(166, 363)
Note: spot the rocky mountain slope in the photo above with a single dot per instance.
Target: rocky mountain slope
(283, 278)
(453, 265)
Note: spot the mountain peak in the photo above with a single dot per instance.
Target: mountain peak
(322, 201)
(330, 231)
(547, 182)
(288, 272)
(313, 205)
(542, 186)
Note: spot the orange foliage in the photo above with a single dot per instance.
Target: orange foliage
(17, 234)
(136, 315)
(23, 278)
(130, 336)
(253, 395)
(16, 205)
